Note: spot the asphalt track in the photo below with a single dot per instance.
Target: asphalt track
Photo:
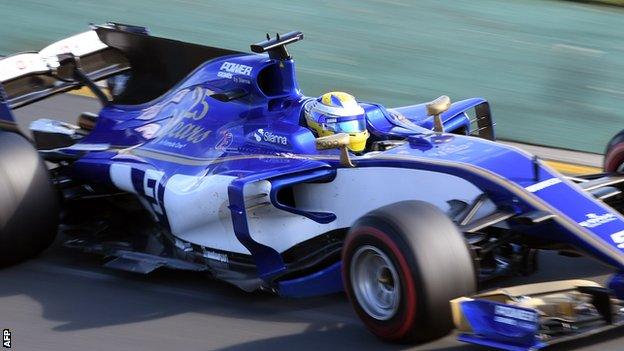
(67, 301)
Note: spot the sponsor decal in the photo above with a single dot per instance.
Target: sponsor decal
(225, 141)
(177, 98)
(594, 220)
(618, 239)
(150, 112)
(184, 128)
(504, 320)
(453, 149)
(241, 80)
(14, 66)
(261, 135)
(543, 184)
(397, 116)
(215, 256)
(153, 111)
(258, 135)
(401, 119)
(515, 313)
(188, 132)
(200, 106)
(172, 144)
(79, 45)
(148, 131)
(229, 69)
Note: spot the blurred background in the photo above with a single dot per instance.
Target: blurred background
(553, 70)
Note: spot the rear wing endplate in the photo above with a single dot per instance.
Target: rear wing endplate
(7, 121)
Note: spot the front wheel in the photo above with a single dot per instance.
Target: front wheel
(402, 264)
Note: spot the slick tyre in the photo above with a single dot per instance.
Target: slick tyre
(28, 203)
(402, 264)
(614, 154)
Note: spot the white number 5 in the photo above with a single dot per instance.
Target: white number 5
(618, 238)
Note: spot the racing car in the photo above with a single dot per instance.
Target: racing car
(212, 160)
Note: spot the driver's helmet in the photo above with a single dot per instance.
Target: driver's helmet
(338, 112)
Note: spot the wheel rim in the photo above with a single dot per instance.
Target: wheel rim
(375, 282)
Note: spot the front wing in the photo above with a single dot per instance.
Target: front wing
(534, 316)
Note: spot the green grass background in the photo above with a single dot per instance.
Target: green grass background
(552, 70)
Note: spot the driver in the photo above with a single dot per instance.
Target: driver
(338, 112)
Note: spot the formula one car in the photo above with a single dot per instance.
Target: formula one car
(204, 159)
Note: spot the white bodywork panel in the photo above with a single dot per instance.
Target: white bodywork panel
(365, 189)
(197, 209)
(354, 192)
(197, 206)
(121, 176)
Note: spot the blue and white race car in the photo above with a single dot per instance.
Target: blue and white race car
(212, 160)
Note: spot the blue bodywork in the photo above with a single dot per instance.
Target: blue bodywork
(501, 326)
(256, 137)
(260, 136)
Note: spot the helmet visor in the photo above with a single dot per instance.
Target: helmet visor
(352, 126)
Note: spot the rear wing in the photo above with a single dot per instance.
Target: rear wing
(31, 76)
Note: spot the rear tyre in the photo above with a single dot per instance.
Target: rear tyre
(614, 154)
(28, 203)
(402, 264)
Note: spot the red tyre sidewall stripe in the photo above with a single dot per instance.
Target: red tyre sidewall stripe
(411, 307)
(614, 158)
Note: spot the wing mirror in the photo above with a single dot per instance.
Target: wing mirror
(336, 141)
(435, 108)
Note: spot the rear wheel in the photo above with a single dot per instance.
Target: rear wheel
(402, 264)
(614, 154)
(28, 203)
